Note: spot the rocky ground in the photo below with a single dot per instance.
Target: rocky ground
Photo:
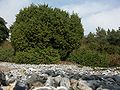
(57, 77)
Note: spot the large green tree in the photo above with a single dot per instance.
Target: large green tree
(42, 26)
(4, 33)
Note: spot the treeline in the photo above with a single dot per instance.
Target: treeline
(99, 49)
(104, 41)
(42, 34)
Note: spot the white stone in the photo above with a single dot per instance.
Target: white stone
(58, 79)
(42, 88)
(62, 88)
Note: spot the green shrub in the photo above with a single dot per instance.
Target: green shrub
(42, 26)
(6, 54)
(37, 56)
(88, 58)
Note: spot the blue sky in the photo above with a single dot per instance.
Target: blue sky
(94, 13)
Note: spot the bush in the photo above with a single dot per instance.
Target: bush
(37, 56)
(114, 60)
(6, 54)
(88, 58)
(42, 26)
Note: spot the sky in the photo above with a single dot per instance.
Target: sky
(93, 13)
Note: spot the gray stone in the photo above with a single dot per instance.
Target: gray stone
(58, 80)
(116, 78)
(65, 82)
(11, 80)
(50, 82)
(100, 88)
(73, 75)
(36, 78)
(106, 84)
(94, 84)
(1, 88)
(50, 73)
(90, 77)
(3, 79)
(21, 85)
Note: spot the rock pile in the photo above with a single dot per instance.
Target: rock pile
(58, 77)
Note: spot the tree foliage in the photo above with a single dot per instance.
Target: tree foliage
(42, 26)
(106, 42)
(4, 33)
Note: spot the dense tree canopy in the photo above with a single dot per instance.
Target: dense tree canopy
(104, 40)
(4, 33)
(42, 26)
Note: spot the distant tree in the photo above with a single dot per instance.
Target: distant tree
(90, 37)
(114, 37)
(4, 33)
(91, 41)
(101, 37)
(42, 26)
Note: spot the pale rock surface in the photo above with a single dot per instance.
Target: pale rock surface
(82, 85)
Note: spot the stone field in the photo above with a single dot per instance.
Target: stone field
(57, 77)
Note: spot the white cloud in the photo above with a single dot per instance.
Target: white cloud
(86, 8)
(96, 14)
(108, 19)
(9, 8)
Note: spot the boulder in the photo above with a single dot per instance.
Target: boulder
(50, 73)
(116, 78)
(3, 79)
(74, 84)
(65, 83)
(72, 75)
(58, 80)
(21, 85)
(94, 84)
(50, 82)
(35, 78)
(82, 85)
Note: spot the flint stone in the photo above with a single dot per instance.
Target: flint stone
(91, 77)
(3, 79)
(51, 73)
(36, 78)
(100, 88)
(50, 82)
(65, 82)
(21, 85)
(72, 75)
(62, 88)
(116, 78)
(58, 80)
(94, 84)
(44, 88)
